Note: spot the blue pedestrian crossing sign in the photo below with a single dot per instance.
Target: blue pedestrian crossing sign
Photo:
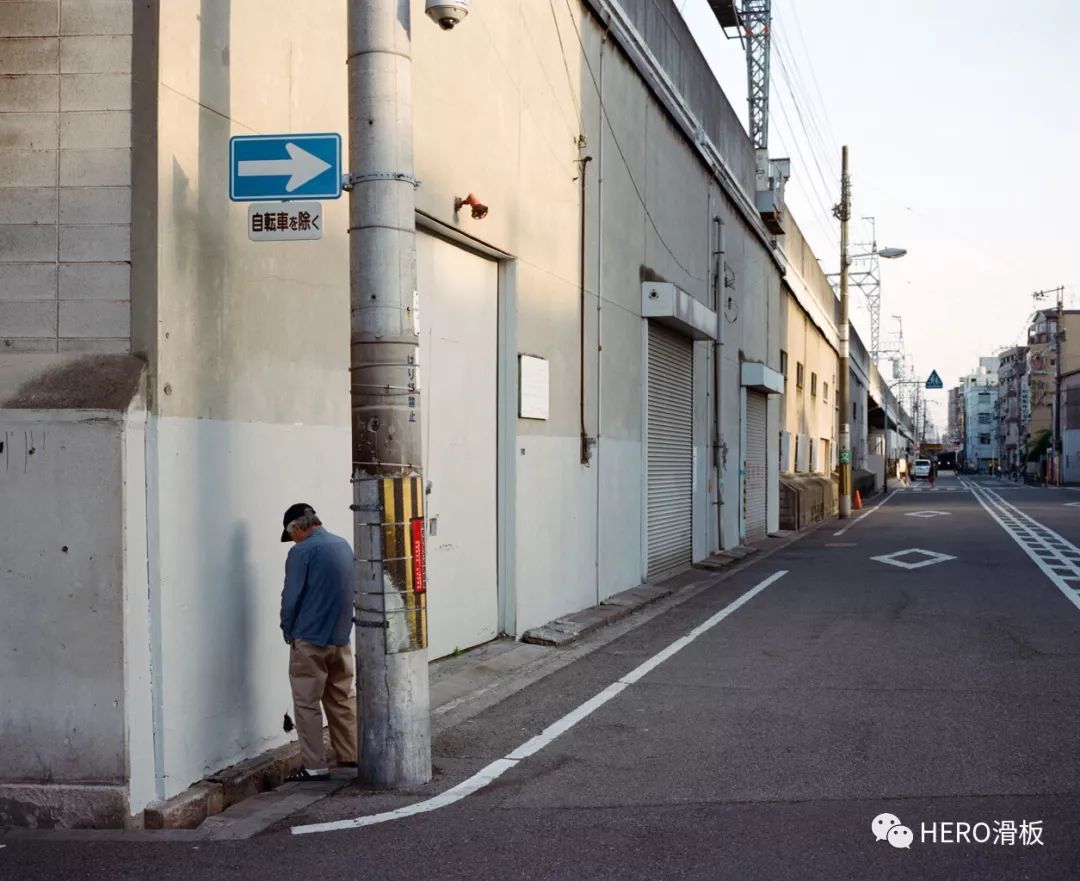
(268, 168)
(934, 381)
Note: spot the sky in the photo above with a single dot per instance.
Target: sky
(963, 132)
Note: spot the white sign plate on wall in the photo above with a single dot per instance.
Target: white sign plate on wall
(532, 387)
(284, 221)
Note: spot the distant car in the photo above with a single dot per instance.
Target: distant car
(921, 469)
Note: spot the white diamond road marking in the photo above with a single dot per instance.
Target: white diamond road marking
(927, 514)
(1072, 504)
(932, 558)
(1058, 558)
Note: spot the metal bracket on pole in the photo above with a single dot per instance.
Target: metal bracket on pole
(378, 625)
(348, 181)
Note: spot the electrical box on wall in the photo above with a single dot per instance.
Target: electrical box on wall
(771, 177)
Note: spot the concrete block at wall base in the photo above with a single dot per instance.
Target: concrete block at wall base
(188, 809)
(9, 346)
(80, 205)
(27, 205)
(95, 91)
(100, 129)
(224, 789)
(31, 55)
(864, 481)
(95, 281)
(31, 131)
(100, 54)
(96, 346)
(30, 18)
(29, 94)
(95, 168)
(95, 319)
(27, 243)
(35, 318)
(259, 774)
(26, 168)
(96, 17)
(27, 281)
(95, 244)
(63, 806)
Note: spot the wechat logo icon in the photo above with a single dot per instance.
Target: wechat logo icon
(887, 827)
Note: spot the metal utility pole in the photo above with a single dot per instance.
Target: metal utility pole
(869, 282)
(388, 492)
(843, 213)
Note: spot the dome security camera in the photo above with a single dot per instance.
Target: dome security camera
(447, 13)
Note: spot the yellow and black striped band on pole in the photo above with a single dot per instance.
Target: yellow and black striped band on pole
(401, 500)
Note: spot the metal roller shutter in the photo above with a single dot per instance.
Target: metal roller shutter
(670, 461)
(754, 473)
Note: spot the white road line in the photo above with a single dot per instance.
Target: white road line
(1047, 549)
(866, 514)
(500, 766)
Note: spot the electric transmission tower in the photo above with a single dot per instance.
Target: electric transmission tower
(757, 22)
(751, 23)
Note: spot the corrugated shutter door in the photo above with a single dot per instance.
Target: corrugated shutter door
(754, 482)
(670, 466)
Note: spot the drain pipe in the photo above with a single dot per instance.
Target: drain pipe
(718, 357)
(586, 441)
(599, 308)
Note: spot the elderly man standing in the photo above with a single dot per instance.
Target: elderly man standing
(316, 620)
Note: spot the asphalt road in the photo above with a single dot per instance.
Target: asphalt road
(765, 748)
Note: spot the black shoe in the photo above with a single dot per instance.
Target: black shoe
(346, 764)
(303, 775)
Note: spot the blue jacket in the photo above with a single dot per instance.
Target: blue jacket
(320, 584)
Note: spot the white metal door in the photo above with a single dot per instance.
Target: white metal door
(670, 446)
(459, 384)
(754, 467)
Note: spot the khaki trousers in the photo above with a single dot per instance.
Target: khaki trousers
(323, 674)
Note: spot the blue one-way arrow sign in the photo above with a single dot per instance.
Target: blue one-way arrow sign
(265, 168)
(933, 380)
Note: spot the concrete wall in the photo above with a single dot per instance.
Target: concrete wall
(65, 175)
(73, 670)
(249, 369)
(516, 146)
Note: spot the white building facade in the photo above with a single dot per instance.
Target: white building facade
(981, 452)
(168, 386)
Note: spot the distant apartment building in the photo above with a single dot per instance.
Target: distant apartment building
(1040, 373)
(980, 409)
(1011, 406)
(955, 423)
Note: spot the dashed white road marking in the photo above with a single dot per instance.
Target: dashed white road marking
(500, 766)
(1058, 558)
(867, 513)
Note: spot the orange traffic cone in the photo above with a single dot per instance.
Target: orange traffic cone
(858, 501)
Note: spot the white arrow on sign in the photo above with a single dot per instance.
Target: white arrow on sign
(301, 167)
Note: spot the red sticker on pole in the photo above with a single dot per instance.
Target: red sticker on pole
(419, 562)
